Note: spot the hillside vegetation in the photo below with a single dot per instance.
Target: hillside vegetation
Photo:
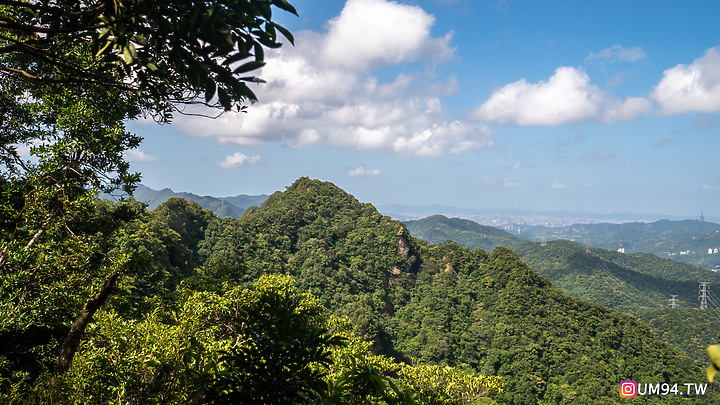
(316, 297)
(632, 283)
(221, 206)
(640, 284)
(685, 241)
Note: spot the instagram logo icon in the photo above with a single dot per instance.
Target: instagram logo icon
(628, 389)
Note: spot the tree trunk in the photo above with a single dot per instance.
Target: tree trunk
(73, 339)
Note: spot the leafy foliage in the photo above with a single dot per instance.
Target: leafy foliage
(632, 283)
(169, 51)
(71, 74)
(690, 330)
(449, 306)
(406, 322)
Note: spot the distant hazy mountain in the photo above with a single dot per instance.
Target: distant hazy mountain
(632, 283)
(438, 229)
(511, 218)
(222, 206)
(687, 241)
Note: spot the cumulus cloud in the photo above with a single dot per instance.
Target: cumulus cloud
(373, 32)
(136, 155)
(361, 171)
(323, 91)
(567, 96)
(691, 88)
(238, 160)
(617, 53)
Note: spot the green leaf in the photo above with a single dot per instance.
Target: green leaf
(209, 90)
(285, 33)
(224, 98)
(127, 55)
(247, 67)
(236, 57)
(284, 5)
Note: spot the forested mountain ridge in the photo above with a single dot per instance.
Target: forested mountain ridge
(632, 283)
(686, 241)
(439, 228)
(209, 309)
(691, 330)
(233, 206)
(441, 303)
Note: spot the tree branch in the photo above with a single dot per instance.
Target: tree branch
(84, 317)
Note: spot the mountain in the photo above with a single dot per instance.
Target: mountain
(439, 228)
(632, 283)
(514, 218)
(691, 330)
(222, 206)
(442, 304)
(687, 241)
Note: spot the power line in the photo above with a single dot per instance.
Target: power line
(715, 303)
(616, 282)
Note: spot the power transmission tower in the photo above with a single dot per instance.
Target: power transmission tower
(704, 290)
(544, 239)
(587, 246)
(673, 301)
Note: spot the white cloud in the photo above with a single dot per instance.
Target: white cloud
(691, 88)
(618, 52)
(135, 155)
(560, 186)
(709, 187)
(361, 171)
(626, 110)
(238, 160)
(567, 96)
(373, 32)
(322, 91)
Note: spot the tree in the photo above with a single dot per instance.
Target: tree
(71, 73)
(171, 52)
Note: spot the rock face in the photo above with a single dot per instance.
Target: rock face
(403, 244)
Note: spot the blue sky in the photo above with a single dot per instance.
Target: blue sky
(605, 106)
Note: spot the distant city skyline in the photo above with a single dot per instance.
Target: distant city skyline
(600, 106)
